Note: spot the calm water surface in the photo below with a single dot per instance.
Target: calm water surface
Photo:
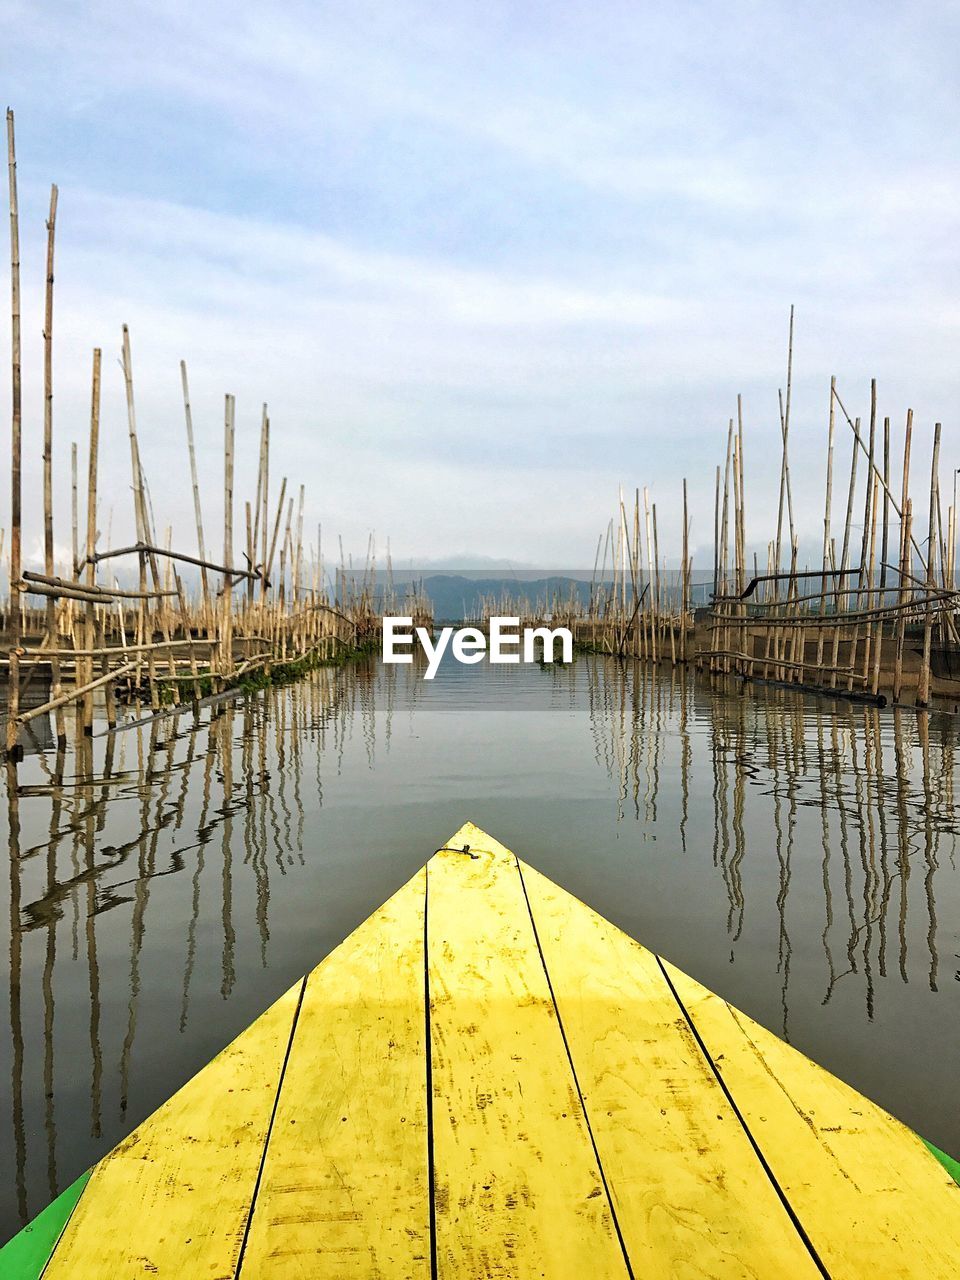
(797, 856)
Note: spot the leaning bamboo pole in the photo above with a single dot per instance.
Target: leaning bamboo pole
(197, 512)
(827, 512)
(884, 545)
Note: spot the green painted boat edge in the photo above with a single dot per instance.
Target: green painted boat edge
(25, 1256)
(952, 1166)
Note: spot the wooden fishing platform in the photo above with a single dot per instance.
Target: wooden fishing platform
(487, 1079)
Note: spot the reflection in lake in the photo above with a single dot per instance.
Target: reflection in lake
(167, 882)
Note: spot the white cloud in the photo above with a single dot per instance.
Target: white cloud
(484, 265)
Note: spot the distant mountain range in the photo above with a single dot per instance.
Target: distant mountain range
(456, 596)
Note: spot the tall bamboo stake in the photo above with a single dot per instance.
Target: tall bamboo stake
(226, 628)
(74, 511)
(684, 579)
(48, 564)
(13, 621)
(94, 448)
(906, 520)
(785, 432)
(826, 520)
(197, 512)
(258, 502)
(923, 683)
(884, 546)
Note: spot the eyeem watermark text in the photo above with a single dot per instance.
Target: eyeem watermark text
(503, 642)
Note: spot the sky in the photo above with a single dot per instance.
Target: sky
(484, 262)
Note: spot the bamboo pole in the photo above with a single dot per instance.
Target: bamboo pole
(92, 462)
(684, 579)
(46, 585)
(842, 600)
(14, 607)
(148, 548)
(784, 463)
(724, 541)
(864, 583)
(827, 511)
(878, 642)
(923, 683)
(72, 694)
(905, 545)
(254, 537)
(48, 561)
(226, 626)
(197, 511)
(139, 509)
(74, 512)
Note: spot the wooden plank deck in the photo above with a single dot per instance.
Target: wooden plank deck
(487, 1079)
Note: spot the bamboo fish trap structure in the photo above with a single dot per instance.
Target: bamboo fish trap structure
(164, 639)
(875, 617)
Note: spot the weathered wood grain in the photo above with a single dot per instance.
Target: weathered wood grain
(691, 1197)
(345, 1188)
(172, 1199)
(518, 1188)
(871, 1197)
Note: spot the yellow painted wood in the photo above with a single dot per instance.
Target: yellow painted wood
(690, 1195)
(870, 1196)
(518, 1189)
(172, 1199)
(345, 1190)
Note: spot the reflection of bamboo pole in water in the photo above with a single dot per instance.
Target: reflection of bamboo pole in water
(721, 852)
(297, 705)
(16, 979)
(146, 862)
(686, 753)
(655, 738)
(885, 876)
(278, 707)
(225, 742)
(867, 856)
(903, 854)
(825, 844)
(203, 835)
(320, 690)
(929, 842)
(784, 844)
(266, 807)
(253, 850)
(85, 752)
(739, 835)
(844, 843)
(141, 896)
(49, 963)
(947, 774)
(271, 806)
(634, 683)
(180, 811)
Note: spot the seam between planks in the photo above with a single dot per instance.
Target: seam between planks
(428, 1055)
(269, 1134)
(573, 1072)
(63, 1229)
(801, 1231)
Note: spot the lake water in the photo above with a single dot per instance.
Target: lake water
(796, 855)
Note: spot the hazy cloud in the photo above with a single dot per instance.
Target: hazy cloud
(486, 263)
